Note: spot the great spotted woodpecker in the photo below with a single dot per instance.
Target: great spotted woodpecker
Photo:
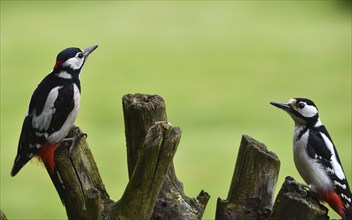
(52, 110)
(316, 158)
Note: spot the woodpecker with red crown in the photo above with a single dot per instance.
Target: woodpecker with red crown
(52, 110)
(316, 158)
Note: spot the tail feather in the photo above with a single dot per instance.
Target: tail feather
(19, 162)
(46, 154)
(348, 215)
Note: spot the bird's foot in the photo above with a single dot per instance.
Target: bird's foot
(304, 189)
(73, 141)
(305, 186)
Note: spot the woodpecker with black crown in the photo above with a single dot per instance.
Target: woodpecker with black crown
(316, 158)
(52, 110)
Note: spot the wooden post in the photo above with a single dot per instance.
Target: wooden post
(77, 180)
(151, 146)
(253, 183)
(154, 160)
(295, 202)
(140, 113)
(82, 191)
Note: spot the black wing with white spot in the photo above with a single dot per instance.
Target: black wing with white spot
(322, 149)
(49, 107)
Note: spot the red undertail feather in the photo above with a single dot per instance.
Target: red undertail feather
(334, 201)
(46, 154)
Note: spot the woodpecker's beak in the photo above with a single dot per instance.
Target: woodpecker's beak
(287, 107)
(284, 106)
(89, 50)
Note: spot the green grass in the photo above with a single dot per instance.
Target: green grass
(216, 64)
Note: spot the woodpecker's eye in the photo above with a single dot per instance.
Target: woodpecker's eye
(300, 105)
(80, 55)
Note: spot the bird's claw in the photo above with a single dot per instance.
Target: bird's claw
(305, 186)
(304, 189)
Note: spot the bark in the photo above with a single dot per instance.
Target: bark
(295, 202)
(77, 180)
(140, 113)
(151, 167)
(153, 190)
(253, 183)
(82, 191)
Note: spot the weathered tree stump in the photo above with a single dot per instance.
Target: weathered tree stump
(140, 113)
(82, 191)
(151, 167)
(295, 202)
(253, 183)
(77, 180)
(153, 190)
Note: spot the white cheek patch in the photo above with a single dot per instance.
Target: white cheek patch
(308, 111)
(74, 63)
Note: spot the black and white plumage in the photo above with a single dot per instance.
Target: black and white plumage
(52, 110)
(316, 157)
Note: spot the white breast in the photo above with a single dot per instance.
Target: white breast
(59, 135)
(311, 171)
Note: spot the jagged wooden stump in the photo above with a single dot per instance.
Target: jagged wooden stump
(140, 113)
(295, 202)
(77, 180)
(253, 183)
(154, 160)
(82, 191)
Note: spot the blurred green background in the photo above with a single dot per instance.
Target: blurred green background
(216, 64)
